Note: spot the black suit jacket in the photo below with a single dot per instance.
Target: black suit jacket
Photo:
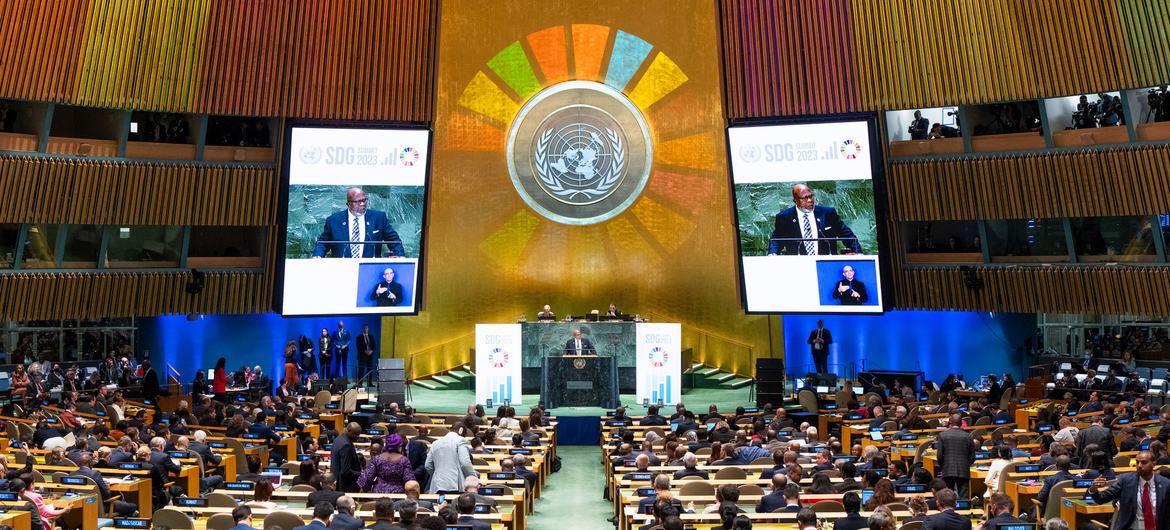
(1124, 490)
(344, 463)
(829, 225)
(328, 495)
(1005, 519)
(852, 521)
(847, 298)
(948, 520)
(586, 347)
(385, 299)
(1049, 482)
(377, 229)
(826, 335)
(770, 502)
(204, 451)
(476, 524)
(150, 385)
(362, 345)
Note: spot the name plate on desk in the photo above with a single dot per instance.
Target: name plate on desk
(579, 385)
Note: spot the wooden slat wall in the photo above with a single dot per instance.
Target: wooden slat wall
(1124, 181)
(342, 59)
(786, 57)
(1057, 289)
(48, 296)
(76, 191)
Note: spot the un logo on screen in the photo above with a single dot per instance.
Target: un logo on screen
(579, 152)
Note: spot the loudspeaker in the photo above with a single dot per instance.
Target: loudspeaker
(769, 369)
(391, 381)
(764, 398)
(769, 381)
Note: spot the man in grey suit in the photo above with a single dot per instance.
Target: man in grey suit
(449, 461)
(1134, 493)
(1098, 434)
(956, 453)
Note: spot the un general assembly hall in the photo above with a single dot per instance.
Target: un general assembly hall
(554, 265)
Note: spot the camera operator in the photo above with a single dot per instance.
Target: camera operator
(1109, 111)
(918, 128)
(1083, 117)
(939, 130)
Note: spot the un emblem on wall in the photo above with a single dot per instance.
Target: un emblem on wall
(579, 152)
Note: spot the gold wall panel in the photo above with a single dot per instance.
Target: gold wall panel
(671, 255)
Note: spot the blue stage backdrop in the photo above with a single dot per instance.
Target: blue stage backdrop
(245, 340)
(935, 342)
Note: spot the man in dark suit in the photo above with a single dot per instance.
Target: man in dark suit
(690, 468)
(150, 385)
(1001, 513)
(84, 461)
(775, 500)
(344, 519)
(199, 445)
(1063, 464)
(358, 225)
(853, 519)
(242, 515)
(322, 513)
(849, 291)
(342, 338)
(367, 350)
(920, 127)
(946, 519)
(819, 340)
(520, 466)
(579, 345)
(465, 504)
(326, 492)
(388, 292)
(956, 453)
(383, 515)
(652, 417)
(1134, 493)
(344, 459)
(1097, 434)
(810, 230)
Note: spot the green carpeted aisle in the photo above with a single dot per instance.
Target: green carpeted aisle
(572, 500)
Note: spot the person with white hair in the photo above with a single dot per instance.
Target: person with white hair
(344, 518)
(471, 486)
(690, 468)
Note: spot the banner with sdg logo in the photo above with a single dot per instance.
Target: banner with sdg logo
(659, 366)
(497, 363)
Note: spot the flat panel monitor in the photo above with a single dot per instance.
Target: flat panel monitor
(809, 206)
(354, 209)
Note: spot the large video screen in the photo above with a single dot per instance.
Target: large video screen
(355, 210)
(807, 217)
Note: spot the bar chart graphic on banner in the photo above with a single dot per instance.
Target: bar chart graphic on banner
(661, 387)
(659, 364)
(497, 363)
(501, 388)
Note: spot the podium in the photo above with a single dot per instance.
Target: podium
(579, 381)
